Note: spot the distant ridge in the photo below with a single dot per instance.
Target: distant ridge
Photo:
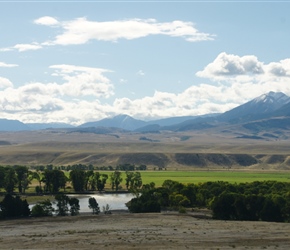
(120, 121)
(39, 126)
(12, 125)
(257, 115)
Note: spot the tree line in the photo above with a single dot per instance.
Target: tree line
(265, 200)
(15, 207)
(120, 167)
(52, 181)
(256, 201)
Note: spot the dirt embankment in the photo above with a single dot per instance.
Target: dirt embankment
(161, 160)
(141, 231)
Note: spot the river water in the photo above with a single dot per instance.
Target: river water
(115, 201)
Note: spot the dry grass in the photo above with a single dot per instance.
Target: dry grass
(141, 231)
(61, 148)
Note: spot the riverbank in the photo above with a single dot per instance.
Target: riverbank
(166, 230)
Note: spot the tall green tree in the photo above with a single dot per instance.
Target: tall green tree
(133, 181)
(101, 180)
(10, 180)
(13, 207)
(38, 176)
(43, 208)
(62, 204)
(93, 204)
(78, 179)
(2, 176)
(74, 206)
(116, 179)
(88, 176)
(54, 180)
(22, 175)
(129, 179)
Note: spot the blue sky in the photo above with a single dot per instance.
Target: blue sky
(76, 62)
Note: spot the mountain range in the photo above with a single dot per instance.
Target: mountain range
(266, 115)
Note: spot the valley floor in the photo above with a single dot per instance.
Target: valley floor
(166, 230)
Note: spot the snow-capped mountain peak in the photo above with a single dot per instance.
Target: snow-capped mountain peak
(273, 97)
(263, 104)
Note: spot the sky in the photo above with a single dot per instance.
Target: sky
(80, 61)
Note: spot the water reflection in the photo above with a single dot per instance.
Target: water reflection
(115, 201)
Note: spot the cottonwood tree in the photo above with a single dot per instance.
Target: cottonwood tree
(22, 175)
(101, 180)
(10, 180)
(54, 180)
(74, 206)
(66, 204)
(62, 204)
(78, 179)
(2, 176)
(93, 204)
(116, 179)
(43, 208)
(13, 207)
(133, 181)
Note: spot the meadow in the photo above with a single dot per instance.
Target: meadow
(158, 177)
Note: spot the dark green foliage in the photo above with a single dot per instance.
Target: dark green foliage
(116, 179)
(271, 211)
(93, 204)
(42, 209)
(223, 207)
(125, 167)
(62, 204)
(54, 180)
(146, 203)
(78, 178)
(65, 204)
(266, 201)
(98, 181)
(133, 181)
(10, 180)
(38, 190)
(2, 176)
(74, 206)
(22, 174)
(253, 207)
(101, 181)
(13, 207)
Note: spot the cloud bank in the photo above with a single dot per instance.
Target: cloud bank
(79, 93)
(81, 31)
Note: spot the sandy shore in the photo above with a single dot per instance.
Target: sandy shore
(141, 231)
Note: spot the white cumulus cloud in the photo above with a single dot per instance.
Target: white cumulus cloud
(7, 65)
(81, 30)
(83, 81)
(46, 20)
(281, 68)
(5, 83)
(245, 77)
(228, 65)
(76, 94)
(23, 47)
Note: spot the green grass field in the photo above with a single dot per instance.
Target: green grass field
(185, 177)
(158, 177)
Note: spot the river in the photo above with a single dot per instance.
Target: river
(115, 201)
